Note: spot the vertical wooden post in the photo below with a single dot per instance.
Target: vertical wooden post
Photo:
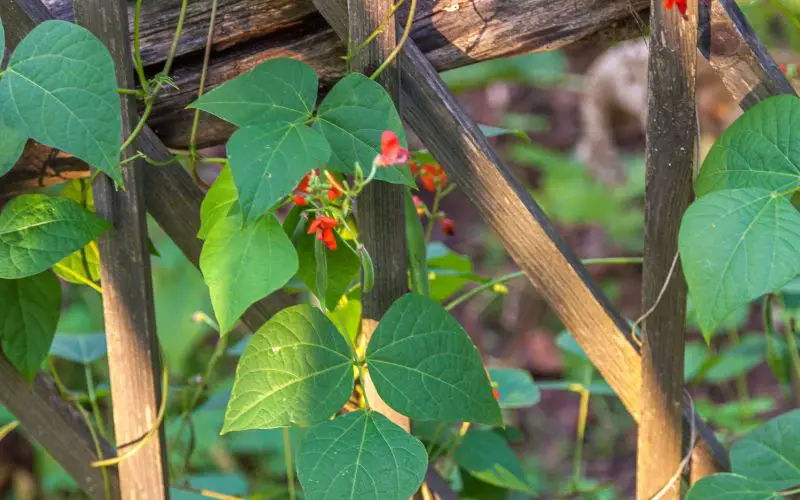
(380, 207)
(133, 355)
(671, 143)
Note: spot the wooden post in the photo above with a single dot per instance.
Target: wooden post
(670, 157)
(133, 353)
(380, 208)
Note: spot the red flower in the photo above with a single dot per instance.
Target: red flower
(323, 226)
(334, 193)
(336, 190)
(300, 200)
(413, 167)
(303, 186)
(496, 394)
(448, 226)
(392, 153)
(431, 176)
(783, 68)
(419, 204)
(681, 4)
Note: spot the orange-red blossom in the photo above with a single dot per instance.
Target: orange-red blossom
(323, 226)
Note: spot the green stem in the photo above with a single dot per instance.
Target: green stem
(519, 274)
(360, 366)
(583, 416)
(437, 198)
(353, 53)
(448, 459)
(137, 52)
(794, 354)
(90, 389)
(133, 92)
(203, 73)
(741, 380)
(406, 32)
(287, 453)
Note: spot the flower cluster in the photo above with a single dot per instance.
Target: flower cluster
(323, 226)
(680, 4)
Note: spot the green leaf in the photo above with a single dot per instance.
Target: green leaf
(268, 161)
(12, 143)
(770, 453)
(759, 150)
(342, 264)
(243, 265)
(36, 231)
(490, 131)
(29, 311)
(419, 349)
(81, 348)
(60, 89)
(731, 487)
(736, 246)
(80, 266)
(361, 455)
(516, 387)
(296, 370)
(218, 202)
(347, 318)
(696, 358)
(487, 456)
(449, 271)
(735, 360)
(278, 90)
(352, 118)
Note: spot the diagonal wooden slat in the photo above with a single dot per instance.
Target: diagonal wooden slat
(527, 235)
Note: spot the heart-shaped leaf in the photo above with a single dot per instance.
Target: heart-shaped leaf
(36, 231)
(217, 202)
(83, 348)
(361, 455)
(242, 265)
(759, 150)
(487, 456)
(278, 90)
(352, 117)
(729, 487)
(29, 311)
(296, 370)
(516, 387)
(735, 246)
(419, 349)
(770, 453)
(268, 161)
(59, 88)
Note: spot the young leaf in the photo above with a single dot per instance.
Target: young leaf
(36, 231)
(731, 486)
(242, 265)
(278, 90)
(759, 150)
(217, 202)
(516, 387)
(487, 456)
(361, 455)
(342, 269)
(296, 370)
(83, 348)
(59, 88)
(770, 453)
(418, 348)
(736, 246)
(347, 318)
(29, 311)
(80, 266)
(352, 118)
(268, 161)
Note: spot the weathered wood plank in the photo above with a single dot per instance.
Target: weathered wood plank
(58, 427)
(380, 208)
(133, 352)
(670, 156)
(528, 236)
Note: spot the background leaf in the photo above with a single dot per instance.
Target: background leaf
(758, 150)
(217, 202)
(296, 370)
(243, 265)
(60, 89)
(277, 90)
(268, 161)
(352, 118)
(36, 231)
(771, 452)
(361, 455)
(29, 311)
(418, 348)
(516, 387)
(736, 246)
(487, 456)
(730, 486)
(81, 348)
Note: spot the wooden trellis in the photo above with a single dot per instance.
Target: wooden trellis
(447, 34)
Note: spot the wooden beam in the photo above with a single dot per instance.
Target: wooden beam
(58, 427)
(380, 209)
(527, 234)
(133, 351)
(670, 157)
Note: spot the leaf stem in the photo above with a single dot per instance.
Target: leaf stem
(406, 32)
(90, 389)
(519, 274)
(137, 51)
(287, 454)
(203, 73)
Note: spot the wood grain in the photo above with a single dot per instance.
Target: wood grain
(133, 351)
(670, 157)
(525, 231)
(58, 427)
